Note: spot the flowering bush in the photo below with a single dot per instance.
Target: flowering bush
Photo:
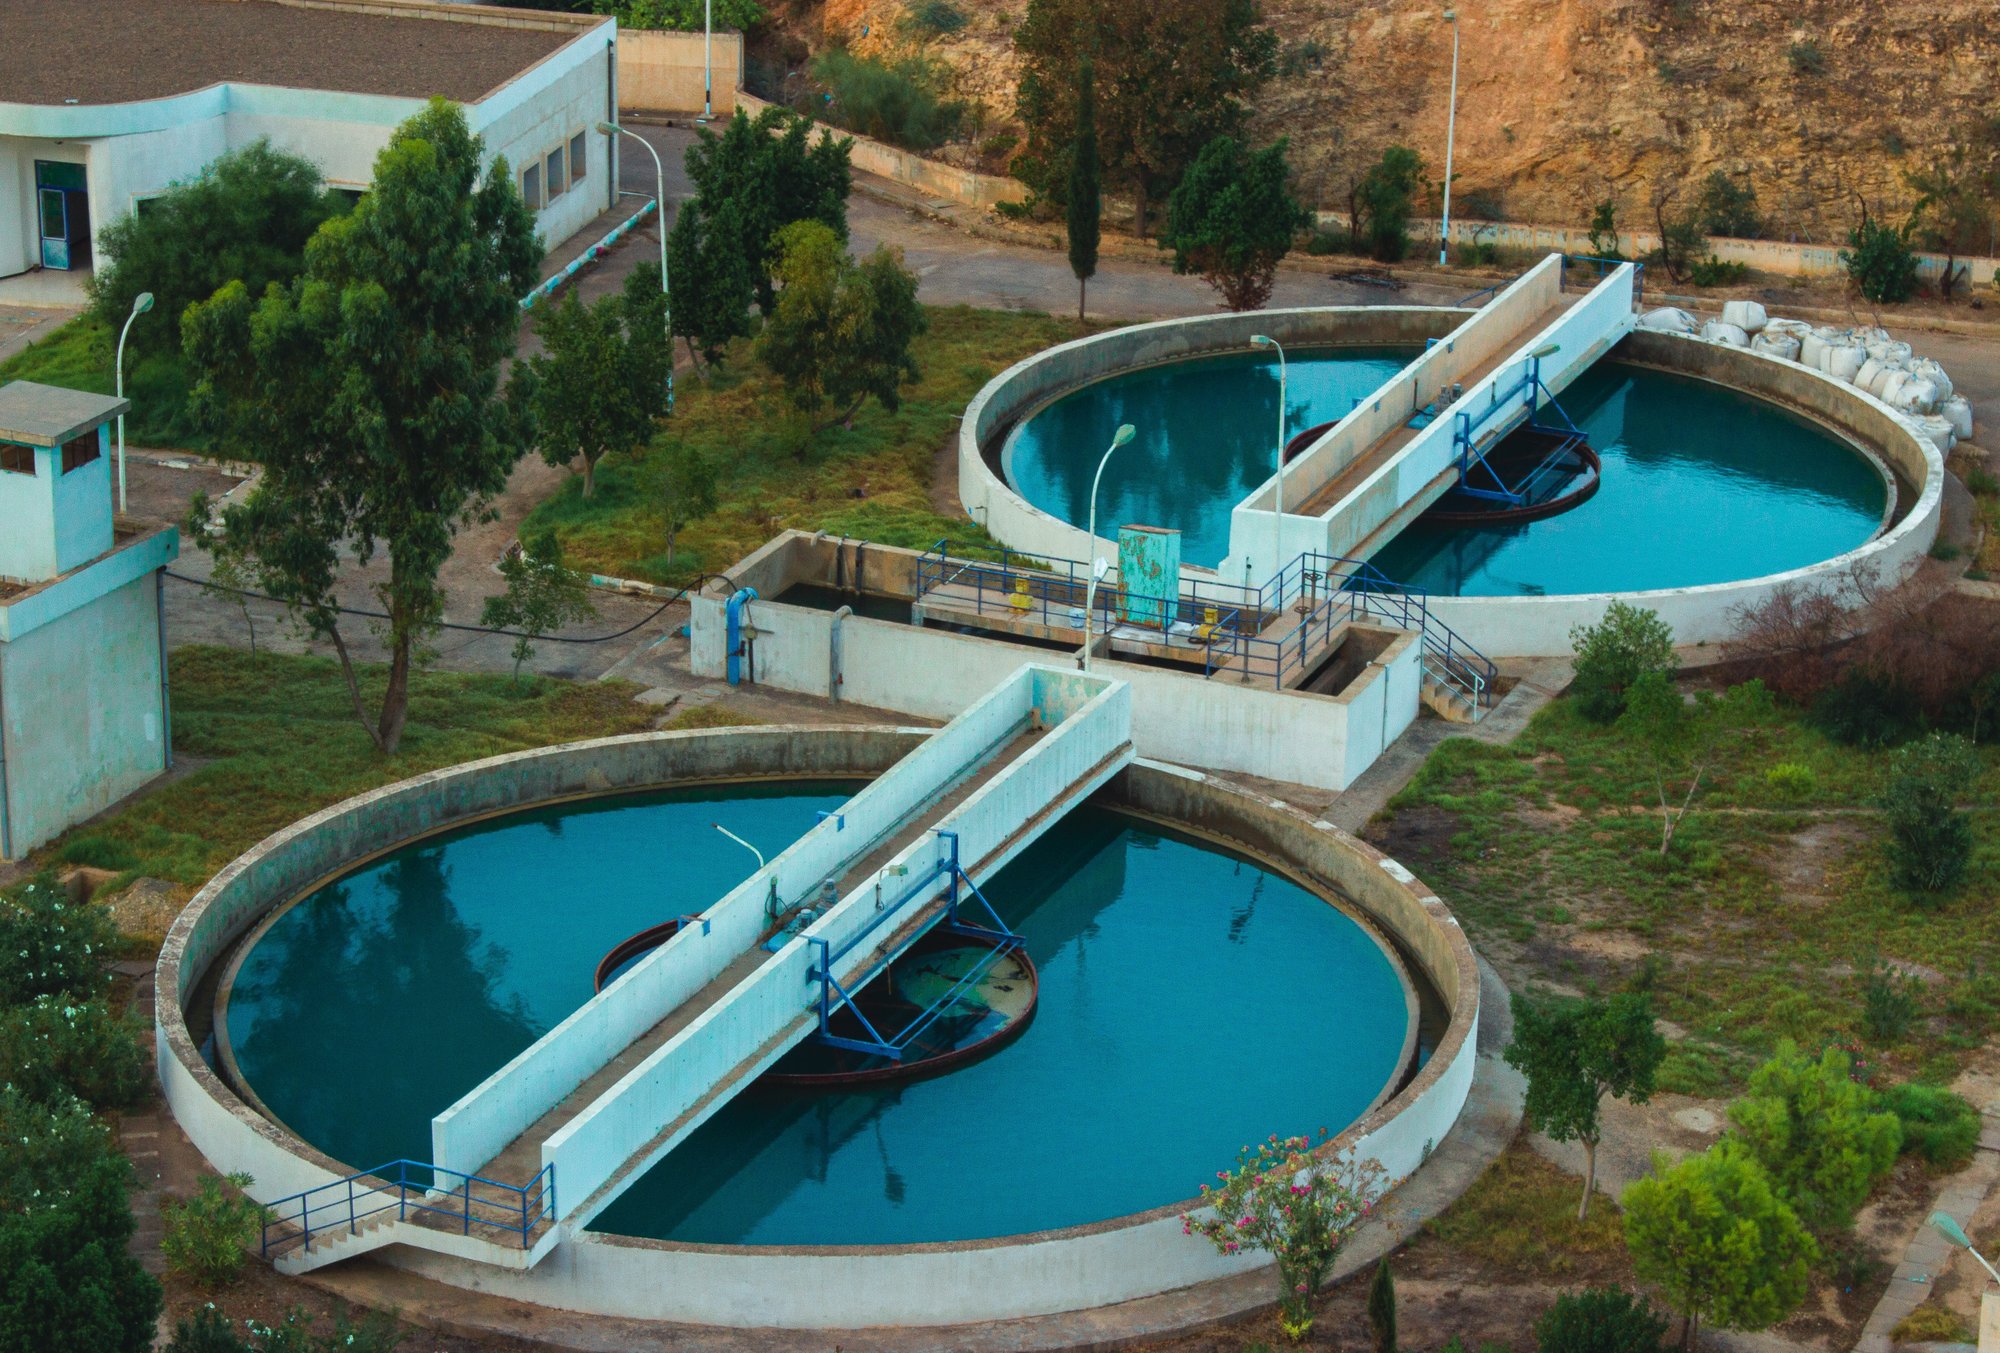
(1292, 1201)
(54, 1047)
(49, 944)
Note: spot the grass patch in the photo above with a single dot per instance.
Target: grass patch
(81, 355)
(872, 480)
(278, 740)
(1764, 918)
(1521, 1216)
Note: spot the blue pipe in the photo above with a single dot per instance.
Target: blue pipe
(590, 255)
(734, 613)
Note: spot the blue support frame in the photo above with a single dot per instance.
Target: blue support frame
(1472, 459)
(833, 994)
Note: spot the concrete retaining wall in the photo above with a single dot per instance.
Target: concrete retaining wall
(661, 72)
(1540, 626)
(966, 187)
(1026, 385)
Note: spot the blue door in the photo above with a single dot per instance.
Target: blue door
(62, 207)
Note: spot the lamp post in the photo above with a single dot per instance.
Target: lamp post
(1450, 129)
(708, 61)
(1278, 515)
(1123, 436)
(659, 205)
(140, 305)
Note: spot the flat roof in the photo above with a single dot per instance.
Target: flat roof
(98, 53)
(49, 415)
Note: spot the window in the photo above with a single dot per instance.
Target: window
(577, 160)
(531, 187)
(555, 173)
(17, 459)
(79, 451)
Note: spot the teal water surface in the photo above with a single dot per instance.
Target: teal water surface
(1701, 485)
(1207, 434)
(380, 999)
(1191, 1001)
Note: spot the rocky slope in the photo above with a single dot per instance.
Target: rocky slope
(1820, 104)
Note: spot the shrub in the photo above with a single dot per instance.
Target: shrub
(67, 1277)
(1939, 1128)
(1613, 654)
(1880, 262)
(56, 1047)
(682, 16)
(1384, 200)
(299, 1333)
(1864, 709)
(1729, 208)
(53, 945)
(1715, 272)
(935, 18)
(1817, 1133)
(1326, 240)
(1888, 1003)
(1791, 780)
(1931, 1324)
(1600, 1320)
(1604, 231)
(1931, 840)
(207, 1235)
(1382, 1308)
(1806, 57)
(208, 1330)
(901, 102)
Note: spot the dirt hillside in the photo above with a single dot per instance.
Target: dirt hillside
(1562, 103)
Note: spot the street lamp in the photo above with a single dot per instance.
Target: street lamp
(1123, 436)
(659, 205)
(1450, 127)
(1278, 515)
(140, 305)
(1947, 1226)
(707, 61)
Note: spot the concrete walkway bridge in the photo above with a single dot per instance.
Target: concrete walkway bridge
(551, 1138)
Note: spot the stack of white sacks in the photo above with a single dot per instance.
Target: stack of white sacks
(1915, 387)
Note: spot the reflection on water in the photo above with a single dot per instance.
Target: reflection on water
(1189, 1000)
(1700, 485)
(1207, 435)
(381, 998)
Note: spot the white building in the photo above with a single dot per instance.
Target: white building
(105, 105)
(83, 672)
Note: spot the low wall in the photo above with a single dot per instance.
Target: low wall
(227, 1130)
(967, 187)
(663, 72)
(1028, 384)
(1540, 626)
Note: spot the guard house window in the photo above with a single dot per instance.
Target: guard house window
(79, 452)
(577, 161)
(16, 459)
(531, 187)
(555, 173)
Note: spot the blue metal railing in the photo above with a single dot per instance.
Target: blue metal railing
(412, 1190)
(834, 995)
(1472, 442)
(1604, 267)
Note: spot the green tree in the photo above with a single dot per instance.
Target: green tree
(760, 175)
(369, 388)
(1613, 654)
(1575, 1051)
(1384, 200)
(1232, 217)
(207, 1236)
(1683, 241)
(1930, 838)
(841, 331)
(713, 288)
(1382, 1308)
(1880, 262)
(67, 1278)
(1818, 1133)
(1604, 231)
(1714, 1236)
(1953, 213)
(687, 488)
(682, 16)
(246, 217)
(1600, 1320)
(1174, 75)
(1683, 740)
(1086, 189)
(598, 382)
(1729, 208)
(543, 594)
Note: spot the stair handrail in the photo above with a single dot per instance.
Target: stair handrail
(285, 1228)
